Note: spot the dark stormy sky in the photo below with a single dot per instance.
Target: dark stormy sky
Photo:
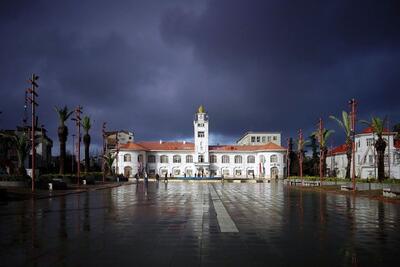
(145, 66)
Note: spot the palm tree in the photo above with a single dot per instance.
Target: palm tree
(301, 143)
(86, 124)
(378, 127)
(63, 115)
(22, 145)
(109, 160)
(323, 140)
(345, 124)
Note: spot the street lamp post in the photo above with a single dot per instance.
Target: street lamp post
(32, 100)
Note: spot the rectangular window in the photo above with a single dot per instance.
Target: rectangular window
(258, 139)
(269, 138)
(253, 139)
(200, 124)
(359, 159)
(371, 159)
(263, 139)
(238, 172)
(274, 138)
(200, 134)
(370, 141)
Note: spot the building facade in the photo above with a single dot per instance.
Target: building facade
(365, 156)
(199, 159)
(258, 138)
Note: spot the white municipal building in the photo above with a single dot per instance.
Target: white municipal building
(255, 155)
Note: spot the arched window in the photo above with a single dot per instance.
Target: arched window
(251, 159)
(151, 159)
(238, 159)
(201, 158)
(164, 159)
(213, 158)
(274, 158)
(225, 159)
(176, 159)
(189, 159)
(127, 157)
(140, 158)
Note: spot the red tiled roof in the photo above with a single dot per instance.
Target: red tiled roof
(370, 130)
(166, 145)
(269, 146)
(338, 150)
(148, 146)
(132, 146)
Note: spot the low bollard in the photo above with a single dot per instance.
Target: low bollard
(50, 186)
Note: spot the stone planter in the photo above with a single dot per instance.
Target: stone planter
(13, 183)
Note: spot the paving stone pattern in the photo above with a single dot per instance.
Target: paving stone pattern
(176, 224)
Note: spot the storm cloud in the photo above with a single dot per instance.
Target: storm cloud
(145, 66)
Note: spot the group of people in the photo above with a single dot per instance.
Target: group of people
(146, 178)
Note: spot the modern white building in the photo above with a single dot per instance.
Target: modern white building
(184, 159)
(365, 156)
(258, 138)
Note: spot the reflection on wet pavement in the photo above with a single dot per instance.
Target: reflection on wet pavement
(175, 224)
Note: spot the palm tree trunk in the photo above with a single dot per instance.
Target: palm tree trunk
(380, 147)
(62, 136)
(86, 141)
(21, 164)
(324, 151)
(348, 167)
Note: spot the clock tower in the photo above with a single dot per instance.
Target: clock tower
(201, 156)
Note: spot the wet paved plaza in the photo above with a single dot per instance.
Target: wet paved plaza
(176, 224)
